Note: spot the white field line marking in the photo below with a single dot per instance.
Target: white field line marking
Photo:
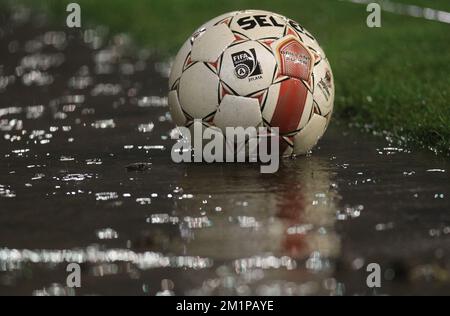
(409, 10)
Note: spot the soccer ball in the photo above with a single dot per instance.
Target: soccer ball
(254, 68)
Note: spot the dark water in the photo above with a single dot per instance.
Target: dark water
(77, 109)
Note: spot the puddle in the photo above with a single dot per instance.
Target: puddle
(86, 176)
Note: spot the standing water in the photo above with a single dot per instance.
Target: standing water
(86, 177)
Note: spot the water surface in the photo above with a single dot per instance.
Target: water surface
(79, 107)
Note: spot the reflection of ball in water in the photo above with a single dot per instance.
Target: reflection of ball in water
(254, 55)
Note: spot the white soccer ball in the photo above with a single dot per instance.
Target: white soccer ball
(254, 68)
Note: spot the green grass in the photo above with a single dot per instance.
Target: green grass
(395, 78)
(443, 5)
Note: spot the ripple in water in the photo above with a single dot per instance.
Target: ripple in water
(14, 259)
(107, 234)
(102, 124)
(76, 177)
(55, 290)
(6, 192)
(349, 212)
(264, 262)
(153, 101)
(163, 219)
(197, 222)
(94, 161)
(106, 196)
(146, 128)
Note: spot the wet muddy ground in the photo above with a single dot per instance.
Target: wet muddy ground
(77, 112)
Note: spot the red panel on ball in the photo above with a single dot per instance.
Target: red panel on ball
(290, 105)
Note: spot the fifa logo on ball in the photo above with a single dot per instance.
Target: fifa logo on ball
(245, 64)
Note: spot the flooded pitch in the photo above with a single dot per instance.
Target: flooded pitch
(86, 176)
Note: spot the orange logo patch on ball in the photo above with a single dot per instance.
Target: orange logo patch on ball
(296, 60)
